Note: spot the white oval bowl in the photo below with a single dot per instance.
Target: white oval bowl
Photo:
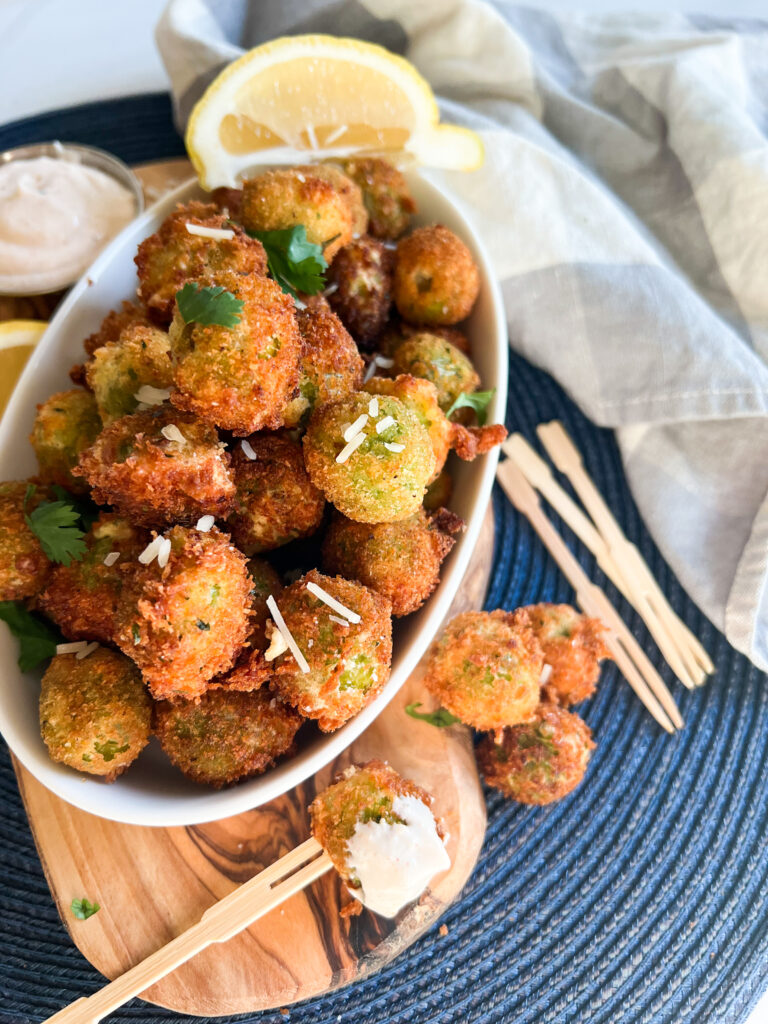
(152, 791)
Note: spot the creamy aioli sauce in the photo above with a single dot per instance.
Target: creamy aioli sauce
(56, 215)
(395, 863)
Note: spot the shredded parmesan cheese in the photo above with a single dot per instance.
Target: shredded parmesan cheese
(373, 407)
(151, 551)
(331, 601)
(111, 558)
(147, 395)
(73, 648)
(293, 647)
(331, 289)
(88, 649)
(204, 232)
(393, 446)
(248, 451)
(277, 644)
(384, 424)
(172, 433)
(164, 552)
(341, 622)
(204, 523)
(384, 362)
(546, 673)
(353, 445)
(354, 428)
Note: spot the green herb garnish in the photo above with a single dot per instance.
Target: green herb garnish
(441, 718)
(54, 525)
(208, 305)
(88, 511)
(37, 640)
(478, 400)
(83, 909)
(109, 749)
(296, 264)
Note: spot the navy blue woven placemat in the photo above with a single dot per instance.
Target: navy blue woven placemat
(641, 898)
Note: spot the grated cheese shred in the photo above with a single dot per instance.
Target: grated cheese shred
(385, 424)
(204, 523)
(248, 451)
(224, 234)
(354, 428)
(293, 647)
(331, 601)
(172, 433)
(353, 445)
(111, 558)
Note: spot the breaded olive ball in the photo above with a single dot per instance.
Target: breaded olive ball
(330, 364)
(384, 478)
(348, 662)
(386, 195)
(65, 425)
(239, 378)
(324, 200)
(541, 761)
(360, 288)
(114, 323)
(396, 331)
(359, 794)
(82, 598)
(275, 500)
(225, 736)
(24, 566)
(185, 622)
(435, 359)
(399, 560)
(436, 279)
(173, 256)
(485, 668)
(118, 370)
(159, 466)
(573, 648)
(95, 714)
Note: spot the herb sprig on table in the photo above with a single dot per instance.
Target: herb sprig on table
(83, 909)
(441, 718)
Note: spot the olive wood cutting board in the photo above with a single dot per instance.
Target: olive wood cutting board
(152, 883)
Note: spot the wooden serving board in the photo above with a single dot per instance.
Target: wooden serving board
(152, 883)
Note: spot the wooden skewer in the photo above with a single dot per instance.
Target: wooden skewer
(567, 458)
(231, 915)
(629, 656)
(539, 475)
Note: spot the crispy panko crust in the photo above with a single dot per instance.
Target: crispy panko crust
(172, 256)
(349, 664)
(115, 322)
(325, 201)
(65, 425)
(239, 378)
(362, 792)
(485, 669)
(83, 597)
(227, 201)
(24, 566)
(330, 365)
(573, 647)
(386, 195)
(436, 279)
(187, 622)
(275, 502)
(396, 331)
(362, 274)
(433, 358)
(439, 492)
(225, 736)
(153, 480)
(95, 714)
(399, 560)
(118, 369)
(541, 761)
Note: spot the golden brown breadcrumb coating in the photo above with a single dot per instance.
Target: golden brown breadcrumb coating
(573, 647)
(65, 425)
(360, 288)
(436, 279)
(114, 323)
(386, 195)
(24, 566)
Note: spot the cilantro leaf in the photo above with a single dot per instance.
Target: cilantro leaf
(53, 523)
(86, 509)
(37, 640)
(208, 305)
(441, 718)
(83, 909)
(478, 400)
(296, 264)
(109, 749)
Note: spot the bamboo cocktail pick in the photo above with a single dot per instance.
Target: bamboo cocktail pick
(629, 656)
(228, 917)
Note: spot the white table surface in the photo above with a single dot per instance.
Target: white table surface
(55, 53)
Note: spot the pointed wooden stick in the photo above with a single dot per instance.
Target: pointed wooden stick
(228, 917)
(636, 669)
(631, 586)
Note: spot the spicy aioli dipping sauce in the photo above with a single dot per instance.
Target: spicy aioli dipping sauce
(56, 215)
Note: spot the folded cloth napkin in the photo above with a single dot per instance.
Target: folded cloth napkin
(624, 202)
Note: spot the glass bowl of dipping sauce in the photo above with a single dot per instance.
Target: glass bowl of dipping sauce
(60, 205)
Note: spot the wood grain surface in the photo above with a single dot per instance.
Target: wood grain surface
(153, 883)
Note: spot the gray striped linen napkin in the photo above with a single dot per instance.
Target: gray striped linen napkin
(624, 202)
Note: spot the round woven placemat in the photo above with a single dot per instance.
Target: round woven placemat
(641, 898)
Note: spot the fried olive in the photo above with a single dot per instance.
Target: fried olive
(24, 566)
(396, 331)
(435, 359)
(118, 370)
(114, 323)
(226, 735)
(65, 425)
(173, 256)
(360, 288)
(436, 279)
(275, 501)
(348, 662)
(239, 378)
(399, 560)
(95, 714)
(380, 478)
(83, 597)
(159, 466)
(485, 668)
(186, 621)
(573, 648)
(540, 761)
(386, 195)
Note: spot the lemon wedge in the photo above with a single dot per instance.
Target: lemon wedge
(17, 339)
(313, 97)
